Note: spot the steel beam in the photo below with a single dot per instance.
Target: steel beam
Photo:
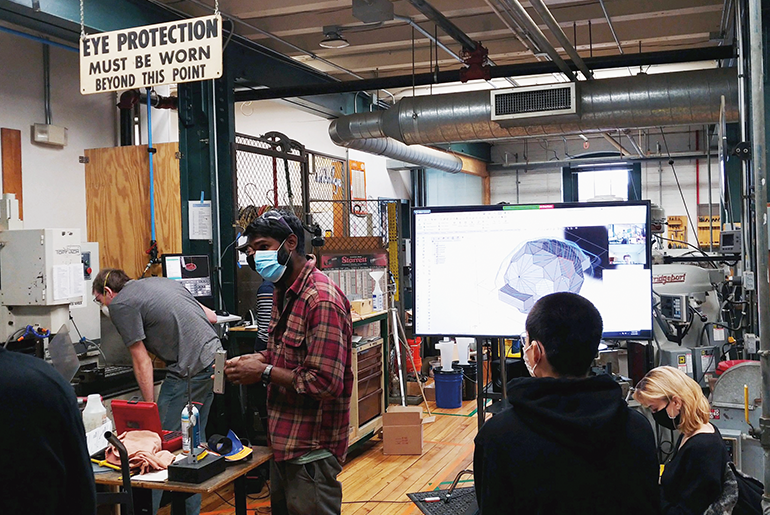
(514, 70)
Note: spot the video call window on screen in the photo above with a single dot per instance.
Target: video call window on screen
(478, 270)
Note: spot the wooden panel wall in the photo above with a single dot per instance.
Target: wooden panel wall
(11, 143)
(118, 205)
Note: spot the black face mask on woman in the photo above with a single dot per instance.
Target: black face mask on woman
(664, 419)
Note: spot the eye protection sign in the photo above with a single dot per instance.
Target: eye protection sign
(153, 55)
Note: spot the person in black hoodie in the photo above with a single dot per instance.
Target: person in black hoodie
(568, 443)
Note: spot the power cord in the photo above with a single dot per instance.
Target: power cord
(225, 500)
(693, 227)
(685, 243)
(83, 339)
(377, 501)
(13, 336)
(262, 497)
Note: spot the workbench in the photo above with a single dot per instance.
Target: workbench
(234, 473)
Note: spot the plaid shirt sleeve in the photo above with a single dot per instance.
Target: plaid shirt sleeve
(322, 374)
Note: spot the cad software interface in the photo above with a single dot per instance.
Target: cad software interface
(479, 270)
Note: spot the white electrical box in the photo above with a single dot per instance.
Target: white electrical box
(40, 267)
(49, 134)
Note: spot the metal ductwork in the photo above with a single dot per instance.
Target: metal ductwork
(683, 98)
(416, 154)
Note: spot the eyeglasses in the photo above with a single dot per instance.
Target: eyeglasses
(524, 340)
(275, 215)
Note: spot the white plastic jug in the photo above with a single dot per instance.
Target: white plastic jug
(446, 348)
(94, 414)
(463, 346)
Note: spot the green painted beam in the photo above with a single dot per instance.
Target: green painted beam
(206, 143)
(99, 15)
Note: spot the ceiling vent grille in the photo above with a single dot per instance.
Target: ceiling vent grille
(551, 100)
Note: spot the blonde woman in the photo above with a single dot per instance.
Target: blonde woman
(692, 479)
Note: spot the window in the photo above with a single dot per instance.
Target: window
(604, 184)
(582, 182)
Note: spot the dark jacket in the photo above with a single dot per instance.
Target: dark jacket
(693, 479)
(44, 464)
(566, 446)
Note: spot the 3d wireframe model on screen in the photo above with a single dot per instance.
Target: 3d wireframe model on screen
(543, 266)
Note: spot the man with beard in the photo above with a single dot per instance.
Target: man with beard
(306, 368)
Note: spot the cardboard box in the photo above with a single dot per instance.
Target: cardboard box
(402, 430)
(361, 306)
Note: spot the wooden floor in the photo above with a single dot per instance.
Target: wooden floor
(376, 484)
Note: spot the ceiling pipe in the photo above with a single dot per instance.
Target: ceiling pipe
(47, 82)
(416, 154)
(265, 33)
(508, 23)
(532, 30)
(631, 140)
(616, 145)
(446, 25)
(591, 161)
(612, 29)
(684, 98)
(428, 35)
(439, 44)
(561, 37)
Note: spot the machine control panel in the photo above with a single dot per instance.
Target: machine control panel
(85, 258)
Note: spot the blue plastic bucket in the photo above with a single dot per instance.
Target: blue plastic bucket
(449, 388)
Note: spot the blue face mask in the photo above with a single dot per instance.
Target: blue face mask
(267, 265)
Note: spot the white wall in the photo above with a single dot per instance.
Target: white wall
(165, 122)
(448, 189)
(53, 180)
(545, 185)
(381, 182)
(257, 118)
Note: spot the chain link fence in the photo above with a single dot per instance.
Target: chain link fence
(343, 219)
(269, 174)
(273, 171)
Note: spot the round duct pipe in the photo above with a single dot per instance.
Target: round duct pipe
(683, 98)
(416, 154)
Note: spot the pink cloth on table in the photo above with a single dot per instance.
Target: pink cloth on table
(144, 452)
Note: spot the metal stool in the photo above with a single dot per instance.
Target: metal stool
(124, 496)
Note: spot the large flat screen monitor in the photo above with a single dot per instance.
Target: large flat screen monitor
(479, 269)
(194, 274)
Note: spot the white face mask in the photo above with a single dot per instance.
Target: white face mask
(530, 368)
(105, 311)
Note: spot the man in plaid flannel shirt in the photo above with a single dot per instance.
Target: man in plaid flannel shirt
(306, 367)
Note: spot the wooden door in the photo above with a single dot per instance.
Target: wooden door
(118, 205)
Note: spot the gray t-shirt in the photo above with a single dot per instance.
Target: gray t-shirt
(169, 320)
